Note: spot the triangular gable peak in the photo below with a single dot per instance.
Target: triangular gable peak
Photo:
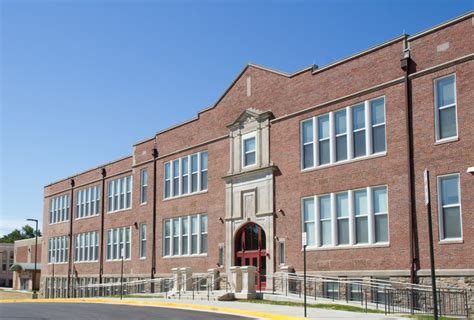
(250, 115)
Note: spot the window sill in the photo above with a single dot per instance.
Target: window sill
(56, 223)
(446, 140)
(88, 217)
(143, 258)
(348, 247)
(118, 260)
(339, 163)
(450, 241)
(120, 210)
(56, 263)
(86, 262)
(185, 195)
(144, 203)
(200, 255)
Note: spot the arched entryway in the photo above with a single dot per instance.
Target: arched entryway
(250, 250)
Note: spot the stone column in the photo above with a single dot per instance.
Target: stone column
(176, 279)
(248, 279)
(236, 278)
(213, 275)
(187, 278)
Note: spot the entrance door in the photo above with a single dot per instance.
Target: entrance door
(250, 250)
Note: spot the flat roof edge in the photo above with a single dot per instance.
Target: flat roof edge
(441, 26)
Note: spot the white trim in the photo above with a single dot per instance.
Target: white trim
(244, 138)
(441, 237)
(190, 234)
(454, 105)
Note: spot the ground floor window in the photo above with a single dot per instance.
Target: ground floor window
(118, 243)
(185, 236)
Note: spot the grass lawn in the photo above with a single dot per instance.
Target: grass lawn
(329, 306)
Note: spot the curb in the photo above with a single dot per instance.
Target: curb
(159, 304)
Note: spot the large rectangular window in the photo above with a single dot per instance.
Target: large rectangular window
(345, 134)
(449, 199)
(86, 247)
(118, 242)
(182, 240)
(349, 216)
(119, 194)
(58, 249)
(186, 175)
(143, 186)
(143, 240)
(88, 202)
(59, 209)
(445, 104)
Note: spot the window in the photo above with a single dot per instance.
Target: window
(331, 290)
(58, 249)
(309, 220)
(142, 240)
(186, 235)
(281, 246)
(221, 254)
(86, 247)
(325, 220)
(445, 105)
(355, 290)
(342, 135)
(88, 202)
(361, 216)
(379, 196)
(342, 214)
(345, 218)
(186, 175)
(59, 209)
(449, 200)
(118, 241)
(143, 186)
(249, 151)
(120, 194)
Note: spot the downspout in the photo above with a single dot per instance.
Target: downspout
(71, 217)
(102, 218)
(153, 242)
(414, 261)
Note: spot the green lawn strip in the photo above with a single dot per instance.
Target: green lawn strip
(329, 306)
(426, 317)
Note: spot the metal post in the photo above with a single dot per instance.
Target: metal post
(121, 278)
(430, 229)
(35, 295)
(304, 272)
(52, 280)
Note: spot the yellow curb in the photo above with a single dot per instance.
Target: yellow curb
(160, 304)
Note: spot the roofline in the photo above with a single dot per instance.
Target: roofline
(143, 141)
(88, 170)
(359, 54)
(29, 239)
(441, 26)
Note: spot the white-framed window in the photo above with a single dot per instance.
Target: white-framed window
(118, 239)
(185, 236)
(449, 207)
(143, 240)
(58, 249)
(446, 121)
(119, 194)
(339, 136)
(249, 150)
(348, 218)
(86, 247)
(281, 251)
(59, 209)
(88, 202)
(186, 175)
(143, 186)
(221, 259)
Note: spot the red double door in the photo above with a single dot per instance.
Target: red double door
(250, 250)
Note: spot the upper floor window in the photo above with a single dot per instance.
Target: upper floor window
(249, 151)
(86, 247)
(119, 194)
(186, 175)
(58, 249)
(59, 209)
(353, 132)
(118, 243)
(346, 218)
(143, 186)
(185, 235)
(449, 200)
(445, 105)
(88, 202)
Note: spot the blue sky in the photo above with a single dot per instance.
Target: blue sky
(81, 81)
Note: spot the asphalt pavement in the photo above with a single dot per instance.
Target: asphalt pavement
(89, 311)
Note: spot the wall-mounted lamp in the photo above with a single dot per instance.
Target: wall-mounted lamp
(281, 212)
(221, 220)
(470, 170)
(135, 225)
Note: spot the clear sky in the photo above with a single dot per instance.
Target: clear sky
(81, 81)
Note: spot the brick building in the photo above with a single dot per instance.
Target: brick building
(6, 256)
(23, 265)
(338, 152)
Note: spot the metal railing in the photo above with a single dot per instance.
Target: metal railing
(390, 296)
